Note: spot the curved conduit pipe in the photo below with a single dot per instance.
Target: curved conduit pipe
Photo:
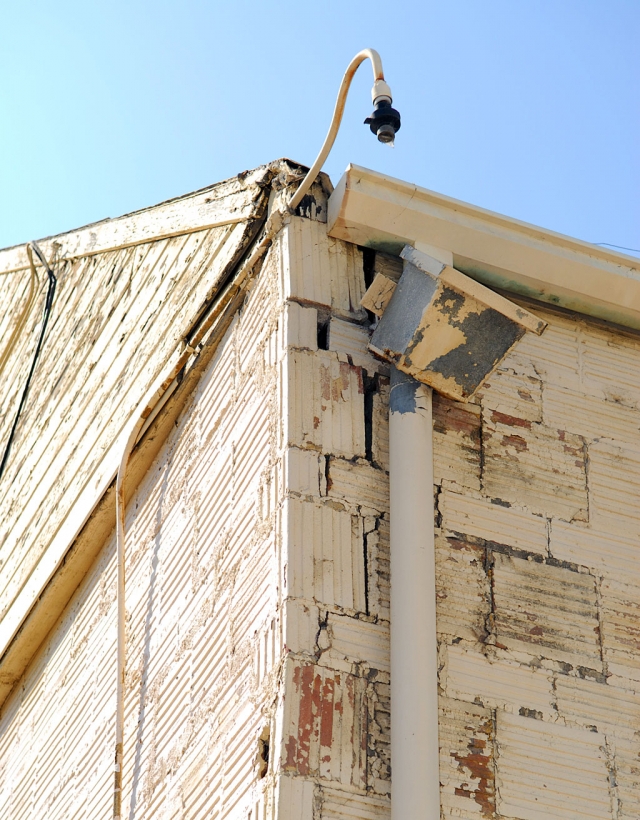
(24, 315)
(384, 122)
(149, 405)
(381, 95)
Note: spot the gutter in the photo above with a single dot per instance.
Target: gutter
(383, 213)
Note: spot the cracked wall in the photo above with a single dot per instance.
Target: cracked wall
(259, 681)
(538, 591)
(531, 551)
(203, 617)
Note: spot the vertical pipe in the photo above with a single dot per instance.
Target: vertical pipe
(415, 790)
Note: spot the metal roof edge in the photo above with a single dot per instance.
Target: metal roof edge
(380, 212)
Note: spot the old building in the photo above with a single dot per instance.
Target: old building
(258, 517)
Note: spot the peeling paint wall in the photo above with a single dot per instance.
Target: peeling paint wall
(333, 736)
(536, 487)
(538, 582)
(259, 677)
(203, 627)
(129, 291)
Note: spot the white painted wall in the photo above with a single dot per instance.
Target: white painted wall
(204, 632)
(259, 584)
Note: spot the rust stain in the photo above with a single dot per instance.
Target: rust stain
(517, 442)
(290, 759)
(449, 415)
(479, 766)
(326, 715)
(510, 421)
(345, 375)
(321, 696)
(325, 383)
(305, 719)
(525, 395)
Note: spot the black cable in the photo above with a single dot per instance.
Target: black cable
(45, 319)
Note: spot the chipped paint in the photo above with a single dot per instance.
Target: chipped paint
(259, 578)
(378, 294)
(446, 335)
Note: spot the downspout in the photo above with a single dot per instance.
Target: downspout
(450, 333)
(414, 649)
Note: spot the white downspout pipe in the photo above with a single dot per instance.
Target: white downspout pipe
(415, 789)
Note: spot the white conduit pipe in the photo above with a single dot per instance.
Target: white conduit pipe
(415, 783)
(380, 88)
(148, 404)
(24, 314)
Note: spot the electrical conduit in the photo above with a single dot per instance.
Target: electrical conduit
(149, 403)
(380, 88)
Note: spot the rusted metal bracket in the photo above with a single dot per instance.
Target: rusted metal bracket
(442, 327)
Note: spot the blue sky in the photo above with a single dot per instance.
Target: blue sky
(527, 107)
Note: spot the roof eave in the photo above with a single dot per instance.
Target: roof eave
(380, 212)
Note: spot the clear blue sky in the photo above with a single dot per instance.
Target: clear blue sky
(526, 107)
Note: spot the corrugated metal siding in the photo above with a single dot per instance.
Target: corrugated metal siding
(479, 517)
(324, 724)
(538, 581)
(343, 805)
(326, 411)
(325, 549)
(531, 635)
(620, 616)
(334, 746)
(203, 629)
(325, 271)
(456, 443)
(627, 774)
(548, 608)
(462, 589)
(539, 467)
(467, 772)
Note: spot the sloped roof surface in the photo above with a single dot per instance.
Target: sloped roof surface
(129, 292)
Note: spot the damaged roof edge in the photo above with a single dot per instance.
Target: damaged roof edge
(384, 213)
(69, 548)
(238, 199)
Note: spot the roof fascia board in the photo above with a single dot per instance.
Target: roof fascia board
(383, 213)
(226, 203)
